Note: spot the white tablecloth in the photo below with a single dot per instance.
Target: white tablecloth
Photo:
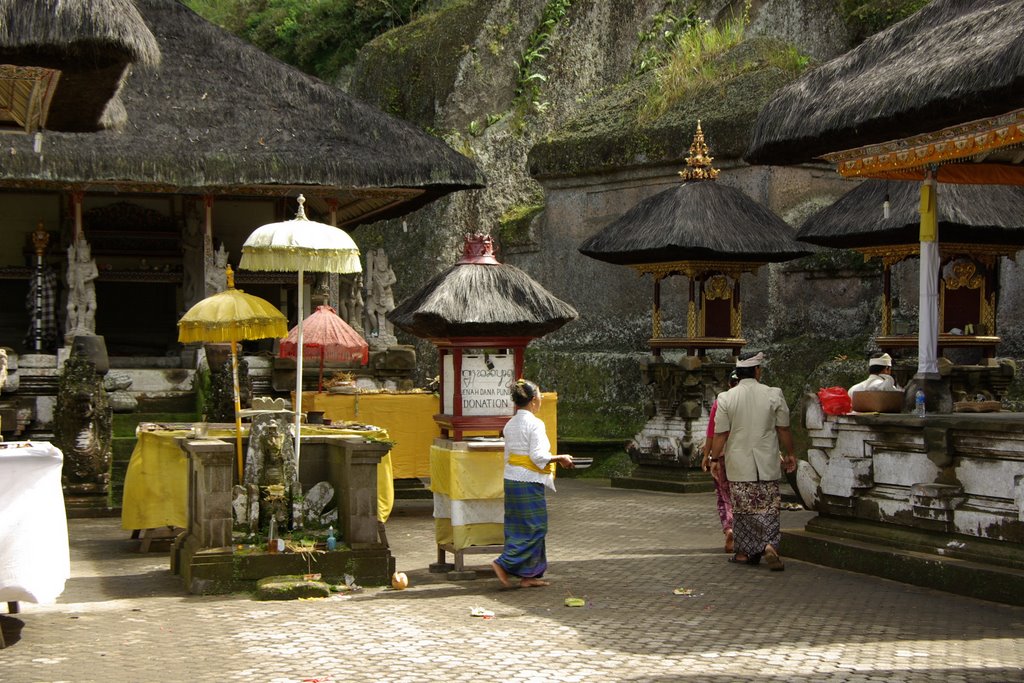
(34, 557)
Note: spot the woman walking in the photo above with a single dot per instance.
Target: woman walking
(529, 469)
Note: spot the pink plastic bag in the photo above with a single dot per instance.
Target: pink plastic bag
(835, 401)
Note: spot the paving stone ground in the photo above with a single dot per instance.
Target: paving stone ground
(124, 617)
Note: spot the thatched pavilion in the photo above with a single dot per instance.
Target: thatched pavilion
(711, 234)
(62, 64)
(706, 231)
(953, 65)
(216, 140)
(479, 305)
(978, 224)
(938, 96)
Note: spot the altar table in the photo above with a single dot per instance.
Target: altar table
(34, 558)
(156, 481)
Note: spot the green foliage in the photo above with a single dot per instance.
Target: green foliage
(705, 56)
(528, 85)
(654, 43)
(866, 17)
(318, 36)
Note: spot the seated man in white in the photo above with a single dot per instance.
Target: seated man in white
(879, 376)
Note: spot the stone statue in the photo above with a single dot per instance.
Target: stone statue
(271, 481)
(82, 426)
(193, 262)
(351, 301)
(216, 271)
(82, 274)
(380, 299)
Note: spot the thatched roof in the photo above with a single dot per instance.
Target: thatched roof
(479, 297)
(951, 62)
(971, 214)
(699, 220)
(91, 42)
(220, 116)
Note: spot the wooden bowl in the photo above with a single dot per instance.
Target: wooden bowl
(878, 401)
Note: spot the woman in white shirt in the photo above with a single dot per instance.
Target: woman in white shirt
(529, 468)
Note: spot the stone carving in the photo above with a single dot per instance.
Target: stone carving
(82, 427)
(380, 299)
(216, 271)
(116, 385)
(350, 305)
(675, 428)
(193, 261)
(82, 274)
(271, 479)
(219, 405)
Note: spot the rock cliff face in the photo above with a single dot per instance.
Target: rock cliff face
(545, 95)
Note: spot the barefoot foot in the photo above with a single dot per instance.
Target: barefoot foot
(533, 583)
(502, 575)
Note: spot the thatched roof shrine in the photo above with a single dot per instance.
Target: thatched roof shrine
(953, 61)
(480, 297)
(698, 220)
(73, 55)
(221, 117)
(968, 214)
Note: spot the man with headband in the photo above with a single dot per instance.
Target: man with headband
(879, 376)
(751, 422)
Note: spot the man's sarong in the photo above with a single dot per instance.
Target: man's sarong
(755, 510)
(526, 525)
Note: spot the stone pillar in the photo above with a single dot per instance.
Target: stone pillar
(211, 475)
(352, 466)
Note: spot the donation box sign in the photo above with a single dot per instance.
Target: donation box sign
(485, 380)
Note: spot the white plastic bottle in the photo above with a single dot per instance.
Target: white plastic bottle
(919, 408)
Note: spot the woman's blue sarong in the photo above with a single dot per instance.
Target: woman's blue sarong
(526, 525)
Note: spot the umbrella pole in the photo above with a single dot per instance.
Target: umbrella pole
(928, 302)
(320, 382)
(238, 410)
(298, 378)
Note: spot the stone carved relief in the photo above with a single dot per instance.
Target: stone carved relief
(350, 303)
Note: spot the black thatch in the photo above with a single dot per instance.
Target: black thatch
(92, 43)
(700, 220)
(470, 300)
(972, 214)
(220, 116)
(951, 62)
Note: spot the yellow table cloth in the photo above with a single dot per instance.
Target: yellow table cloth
(469, 493)
(409, 419)
(156, 481)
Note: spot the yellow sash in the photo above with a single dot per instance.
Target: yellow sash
(520, 460)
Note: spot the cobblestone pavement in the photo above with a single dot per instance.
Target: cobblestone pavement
(124, 617)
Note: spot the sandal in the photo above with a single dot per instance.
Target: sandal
(735, 559)
(773, 560)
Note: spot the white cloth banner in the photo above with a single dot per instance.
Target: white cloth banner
(462, 512)
(34, 558)
(928, 312)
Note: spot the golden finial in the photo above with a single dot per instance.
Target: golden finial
(230, 277)
(40, 238)
(698, 164)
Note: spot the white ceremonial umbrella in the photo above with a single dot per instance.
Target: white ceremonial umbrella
(300, 245)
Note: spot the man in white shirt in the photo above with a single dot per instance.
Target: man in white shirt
(879, 376)
(751, 423)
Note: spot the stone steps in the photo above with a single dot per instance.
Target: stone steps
(978, 568)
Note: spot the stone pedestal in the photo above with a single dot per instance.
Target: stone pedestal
(668, 450)
(208, 561)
